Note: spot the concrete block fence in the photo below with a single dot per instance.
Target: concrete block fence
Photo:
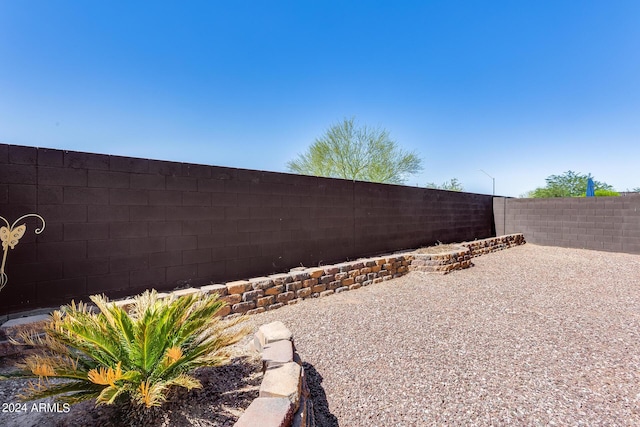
(120, 225)
(597, 223)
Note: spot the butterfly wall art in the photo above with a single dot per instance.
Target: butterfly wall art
(10, 235)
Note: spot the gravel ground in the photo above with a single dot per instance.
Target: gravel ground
(529, 336)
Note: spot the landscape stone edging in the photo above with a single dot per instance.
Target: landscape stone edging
(259, 294)
(459, 259)
(275, 409)
(283, 400)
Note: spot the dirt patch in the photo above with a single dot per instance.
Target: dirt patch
(437, 249)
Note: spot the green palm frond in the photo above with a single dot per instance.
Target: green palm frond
(109, 394)
(69, 391)
(140, 354)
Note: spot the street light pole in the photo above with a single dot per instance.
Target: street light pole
(492, 179)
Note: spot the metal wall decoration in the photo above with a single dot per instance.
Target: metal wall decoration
(10, 235)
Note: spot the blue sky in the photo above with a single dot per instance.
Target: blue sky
(520, 89)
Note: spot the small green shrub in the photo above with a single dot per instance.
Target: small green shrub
(605, 193)
(136, 357)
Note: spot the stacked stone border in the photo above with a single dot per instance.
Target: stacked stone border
(283, 400)
(459, 259)
(259, 294)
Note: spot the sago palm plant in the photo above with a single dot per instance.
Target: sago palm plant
(136, 356)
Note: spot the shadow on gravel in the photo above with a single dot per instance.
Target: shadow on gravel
(226, 391)
(324, 417)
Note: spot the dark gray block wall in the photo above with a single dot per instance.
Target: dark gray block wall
(119, 225)
(601, 223)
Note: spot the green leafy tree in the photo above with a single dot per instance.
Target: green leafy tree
(358, 153)
(637, 189)
(452, 185)
(133, 357)
(569, 184)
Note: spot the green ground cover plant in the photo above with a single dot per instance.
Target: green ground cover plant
(132, 358)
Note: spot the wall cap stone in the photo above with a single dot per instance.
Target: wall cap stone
(277, 353)
(267, 412)
(272, 332)
(284, 397)
(221, 290)
(283, 381)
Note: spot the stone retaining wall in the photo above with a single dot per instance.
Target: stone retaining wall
(460, 258)
(283, 400)
(493, 244)
(258, 294)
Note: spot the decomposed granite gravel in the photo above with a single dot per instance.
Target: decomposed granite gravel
(530, 336)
